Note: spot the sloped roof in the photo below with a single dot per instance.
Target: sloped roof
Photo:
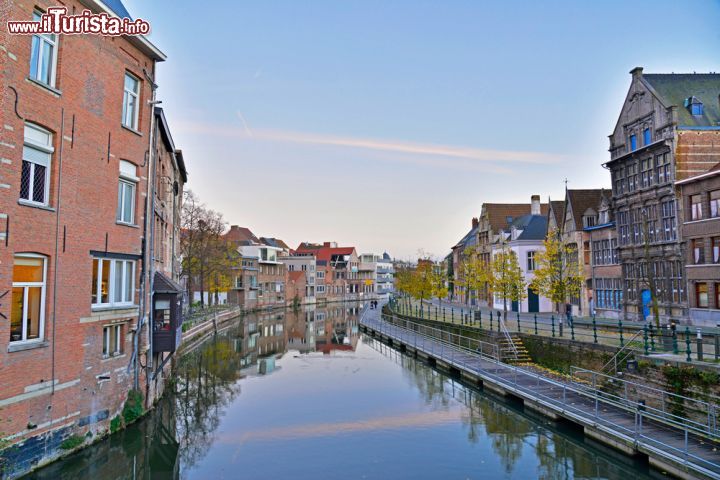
(581, 200)
(274, 242)
(535, 228)
(118, 7)
(322, 252)
(164, 284)
(498, 213)
(558, 207)
(674, 88)
(241, 236)
(468, 240)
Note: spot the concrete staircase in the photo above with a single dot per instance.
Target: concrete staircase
(507, 353)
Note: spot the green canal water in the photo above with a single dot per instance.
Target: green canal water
(304, 395)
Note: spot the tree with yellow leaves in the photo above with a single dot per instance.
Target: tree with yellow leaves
(475, 273)
(557, 274)
(506, 279)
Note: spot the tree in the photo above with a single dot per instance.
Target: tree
(438, 280)
(475, 272)
(422, 281)
(557, 273)
(207, 258)
(506, 278)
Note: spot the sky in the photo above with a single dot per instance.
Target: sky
(386, 125)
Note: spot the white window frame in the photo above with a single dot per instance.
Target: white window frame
(45, 40)
(107, 352)
(128, 181)
(127, 265)
(26, 286)
(45, 148)
(126, 96)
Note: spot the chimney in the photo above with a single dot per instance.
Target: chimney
(535, 205)
(326, 244)
(636, 72)
(475, 222)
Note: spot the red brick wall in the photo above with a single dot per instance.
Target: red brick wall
(90, 77)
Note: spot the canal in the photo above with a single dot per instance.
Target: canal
(305, 395)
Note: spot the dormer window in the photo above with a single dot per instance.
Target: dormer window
(589, 221)
(694, 106)
(633, 142)
(646, 136)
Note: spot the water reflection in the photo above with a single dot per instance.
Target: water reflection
(561, 453)
(340, 400)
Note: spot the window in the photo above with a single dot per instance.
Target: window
(113, 282)
(531, 261)
(696, 207)
(27, 312)
(668, 220)
(701, 295)
(646, 173)
(632, 177)
(126, 192)
(43, 56)
(130, 102)
(35, 176)
(646, 136)
(716, 251)
(662, 168)
(589, 221)
(633, 142)
(320, 289)
(715, 203)
(112, 341)
(320, 274)
(698, 251)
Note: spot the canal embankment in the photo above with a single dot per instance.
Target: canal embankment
(672, 439)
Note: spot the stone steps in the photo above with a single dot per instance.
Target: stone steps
(507, 354)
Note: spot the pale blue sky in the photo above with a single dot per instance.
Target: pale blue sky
(387, 124)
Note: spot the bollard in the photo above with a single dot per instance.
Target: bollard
(687, 344)
(452, 313)
(552, 320)
(572, 329)
(652, 338)
(645, 338)
(535, 318)
(480, 318)
(699, 346)
(491, 320)
(443, 314)
(594, 330)
(620, 329)
(560, 326)
(518, 319)
(498, 320)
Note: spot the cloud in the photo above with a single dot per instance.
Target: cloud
(426, 154)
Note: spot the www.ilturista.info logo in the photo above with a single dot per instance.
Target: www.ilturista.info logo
(57, 21)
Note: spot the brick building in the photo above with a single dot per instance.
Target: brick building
(244, 289)
(76, 125)
(605, 274)
(337, 271)
(667, 131)
(701, 233)
(580, 210)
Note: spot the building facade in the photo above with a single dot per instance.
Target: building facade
(76, 129)
(666, 124)
(701, 233)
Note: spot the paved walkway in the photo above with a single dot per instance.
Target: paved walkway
(652, 432)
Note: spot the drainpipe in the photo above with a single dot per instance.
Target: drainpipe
(148, 242)
(57, 242)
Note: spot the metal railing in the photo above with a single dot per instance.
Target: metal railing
(640, 338)
(642, 425)
(625, 348)
(509, 339)
(469, 344)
